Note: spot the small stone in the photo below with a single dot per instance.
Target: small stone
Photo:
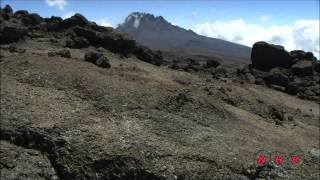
(315, 153)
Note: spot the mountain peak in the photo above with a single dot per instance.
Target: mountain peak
(137, 19)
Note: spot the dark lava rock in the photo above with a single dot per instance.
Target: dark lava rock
(277, 78)
(303, 68)
(28, 19)
(21, 13)
(192, 62)
(23, 163)
(92, 56)
(279, 88)
(97, 58)
(266, 56)
(63, 53)
(31, 19)
(299, 54)
(8, 9)
(250, 77)
(147, 55)
(85, 32)
(75, 20)
(179, 65)
(11, 32)
(221, 70)
(109, 39)
(14, 49)
(53, 20)
(7, 12)
(260, 81)
(317, 66)
(292, 88)
(103, 62)
(77, 42)
(277, 113)
(212, 63)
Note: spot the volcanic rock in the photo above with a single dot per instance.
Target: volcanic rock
(75, 20)
(77, 42)
(7, 12)
(303, 68)
(63, 53)
(299, 54)
(149, 56)
(266, 56)
(212, 63)
(12, 32)
(31, 19)
(21, 13)
(97, 58)
(277, 78)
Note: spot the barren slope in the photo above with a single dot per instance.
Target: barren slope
(137, 120)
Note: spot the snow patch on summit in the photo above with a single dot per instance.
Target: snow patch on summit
(136, 23)
(136, 19)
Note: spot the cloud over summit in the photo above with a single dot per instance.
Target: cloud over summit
(302, 34)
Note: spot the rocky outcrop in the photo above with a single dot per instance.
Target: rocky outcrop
(75, 20)
(18, 162)
(80, 33)
(299, 54)
(6, 12)
(266, 56)
(303, 68)
(294, 73)
(11, 32)
(149, 56)
(97, 58)
(63, 53)
(212, 63)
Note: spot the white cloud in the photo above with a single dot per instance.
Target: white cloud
(60, 4)
(303, 34)
(104, 22)
(68, 14)
(265, 18)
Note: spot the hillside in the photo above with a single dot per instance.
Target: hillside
(81, 101)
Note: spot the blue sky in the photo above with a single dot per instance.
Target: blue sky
(184, 13)
(276, 21)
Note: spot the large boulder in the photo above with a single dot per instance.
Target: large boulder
(7, 12)
(77, 42)
(31, 19)
(89, 34)
(108, 39)
(11, 32)
(276, 78)
(75, 20)
(53, 20)
(212, 63)
(317, 66)
(21, 13)
(147, 55)
(63, 53)
(302, 68)
(266, 56)
(299, 54)
(97, 58)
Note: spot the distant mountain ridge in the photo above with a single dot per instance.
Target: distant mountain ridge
(158, 33)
